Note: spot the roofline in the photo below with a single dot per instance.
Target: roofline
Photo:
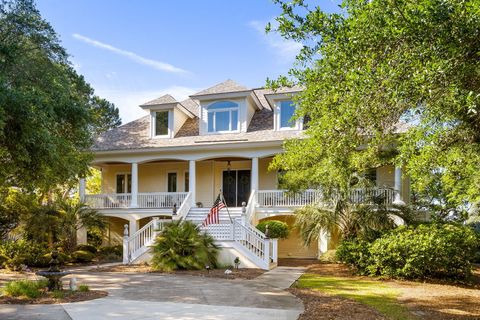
(199, 146)
(206, 96)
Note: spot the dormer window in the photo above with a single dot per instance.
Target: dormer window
(162, 123)
(222, 116)
(285, 116)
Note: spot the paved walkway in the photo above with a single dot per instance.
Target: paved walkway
(159, 296)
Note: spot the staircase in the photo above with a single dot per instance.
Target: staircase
(198, 215)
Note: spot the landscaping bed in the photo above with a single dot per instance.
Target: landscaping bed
(331, 291)
(241, 273)
(50, 298)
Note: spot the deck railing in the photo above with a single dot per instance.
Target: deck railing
(282, 198)
(153, 200)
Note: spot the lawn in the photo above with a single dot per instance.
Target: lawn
(375, 294)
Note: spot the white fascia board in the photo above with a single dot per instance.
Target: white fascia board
(224, 95)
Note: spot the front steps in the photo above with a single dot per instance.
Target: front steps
(198, 215)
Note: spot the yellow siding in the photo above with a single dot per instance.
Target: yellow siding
(204, 181)
(293, 247)
(267, 179)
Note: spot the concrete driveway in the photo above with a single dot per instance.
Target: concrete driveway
(160, 296)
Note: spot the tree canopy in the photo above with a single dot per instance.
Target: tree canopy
(49, 115)
(391, 73)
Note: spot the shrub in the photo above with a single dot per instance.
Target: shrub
(58, 294)
(427, 251)
(181, 245)
(82, 256)
(3, 260)
(87, 247)
(83, 288)
(62, 259)
(115, 250)
(329, 257)
(354, 253)
(23, 252)
(24, 288)
(276, 229)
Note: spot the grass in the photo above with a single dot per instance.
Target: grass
(24, 288)
(372, 293)
(83, 288)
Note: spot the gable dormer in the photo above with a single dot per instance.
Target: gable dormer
(167, 116)
(227, 107)
(284, 110)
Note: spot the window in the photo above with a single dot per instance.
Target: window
(124, 183)
(287, 110)
(186, 182)
(222, 116)
(161, 123)
(172, 182)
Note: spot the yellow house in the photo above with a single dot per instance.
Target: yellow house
(173, 163)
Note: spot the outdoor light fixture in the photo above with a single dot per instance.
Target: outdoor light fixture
(174, 209)
(229, 165)
(208, 269)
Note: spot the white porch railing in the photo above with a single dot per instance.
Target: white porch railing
(153, 200)
(138, 243)
(114, 200)
(250, 209)
(161, 199)
(282, 198)
(182, 212)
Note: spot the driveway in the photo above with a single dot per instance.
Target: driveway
(160, 296)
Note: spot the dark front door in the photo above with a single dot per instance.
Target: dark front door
(236, 187)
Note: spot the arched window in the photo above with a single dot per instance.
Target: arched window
(222, 116)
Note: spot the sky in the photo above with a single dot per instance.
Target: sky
(135, 51)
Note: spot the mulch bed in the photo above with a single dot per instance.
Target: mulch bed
(48, 299)
(322, 306)
(242, 273)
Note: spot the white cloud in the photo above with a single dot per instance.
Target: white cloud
(128, 101)
(286, 50)
(162, 66)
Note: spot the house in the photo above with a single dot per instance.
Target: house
(172, 164)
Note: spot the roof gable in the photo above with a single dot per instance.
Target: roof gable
(226, 86)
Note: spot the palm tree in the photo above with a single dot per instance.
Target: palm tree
(346, 217)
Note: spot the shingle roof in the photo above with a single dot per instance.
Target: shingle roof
(261, 94)
(165, 99)
(136, 135)
(226, 86)
(191, 106)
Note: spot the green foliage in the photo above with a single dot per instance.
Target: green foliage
(330, 256)
(181, 246)
(3, 260)
(107, 250)
(48, 113)
(83, 288)
(22, 252)
(82, 256)
(355, 253)
(87, 247)
(373, 66)
(58, 294)
(24, 288)
(276, 229)
(426, 251)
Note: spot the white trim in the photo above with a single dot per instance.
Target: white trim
(277, 115)
(125, 174)
(223, 110)
(153, 129)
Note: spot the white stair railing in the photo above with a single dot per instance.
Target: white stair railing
(250, 209)
(255, 243)
(182, 212)
(138, 243)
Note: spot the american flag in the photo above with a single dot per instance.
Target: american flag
(213, 216)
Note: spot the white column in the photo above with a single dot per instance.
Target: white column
(191, 183)
(254, 179)
(81, 189)
(398, 186)
(134, 202)
(126, 258)
(133, 225)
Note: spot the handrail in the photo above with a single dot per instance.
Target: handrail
(250, 209)
(136, 244)
(182, 212)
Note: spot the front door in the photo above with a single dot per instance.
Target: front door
(236, 187)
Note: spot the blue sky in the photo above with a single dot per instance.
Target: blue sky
(134, 51)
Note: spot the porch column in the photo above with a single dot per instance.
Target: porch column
(81, 189)
(191, 182)
(398, 186)
(133, 226)
(254, 178)
(134, 202)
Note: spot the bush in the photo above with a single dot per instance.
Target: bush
(82, 256)
(87, 247)
(276, 229)
(3, 260)
(115, 250)
(427, 251)
(329, 257)
(62, 259)
(58, 294)
(24, 288)
(23, 252)
(355, 254)
(181, 245)
(83, 288)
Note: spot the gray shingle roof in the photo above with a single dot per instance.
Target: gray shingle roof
(136, 135)
(165, 99)
(262, 94)
(191, 106)
(226, 86)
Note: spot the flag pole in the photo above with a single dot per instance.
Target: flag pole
(226, 207)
